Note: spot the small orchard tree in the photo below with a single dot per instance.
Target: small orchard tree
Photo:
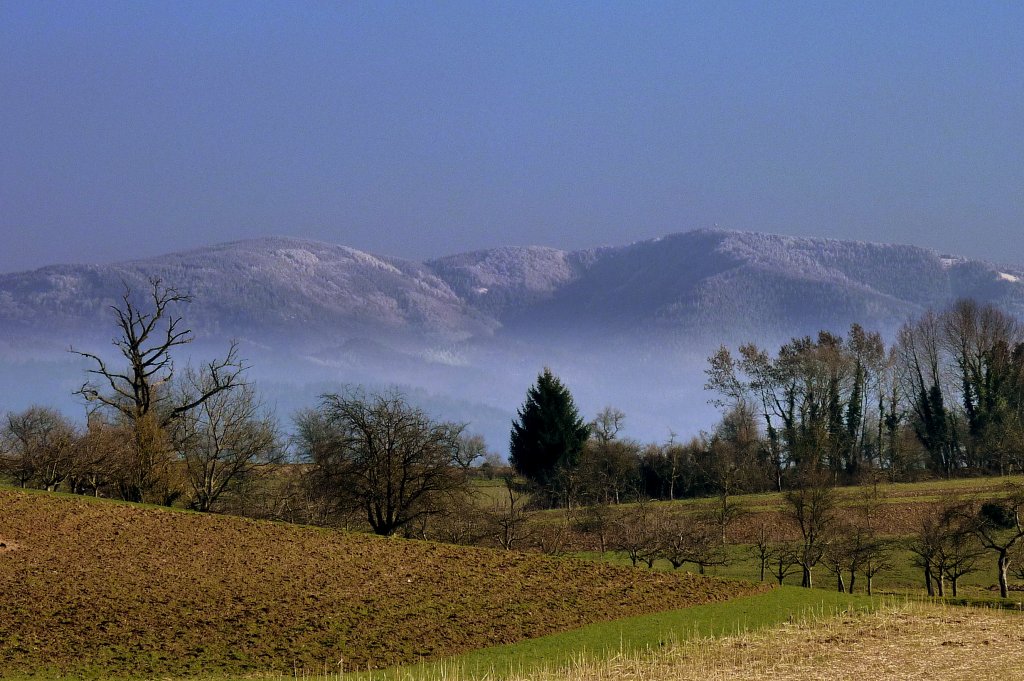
(946, 546)
(100, 448)
(784, 560)
(959, 556)
(548, 437)
(638, 534)
(840, 555)
(998, 527)
(926, 545)
(692, 540)
(509, 520)
(761, 548)
(811, 509)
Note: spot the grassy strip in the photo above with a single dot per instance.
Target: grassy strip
(899, 640)
(633, 634)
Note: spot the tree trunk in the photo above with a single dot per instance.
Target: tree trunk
(806, 579)
(952, 582)
(869, 584)
(928, 580)
(1004, 566)
(840, 585)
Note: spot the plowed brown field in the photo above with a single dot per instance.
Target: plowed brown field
(102, 589)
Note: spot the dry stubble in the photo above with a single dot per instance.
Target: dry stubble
(910, 641)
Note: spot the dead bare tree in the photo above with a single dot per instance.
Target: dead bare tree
(148, 331)
(147, 335)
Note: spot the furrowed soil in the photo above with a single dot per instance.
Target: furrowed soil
(100, 589)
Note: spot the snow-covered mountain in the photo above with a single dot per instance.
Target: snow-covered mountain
(475, 328)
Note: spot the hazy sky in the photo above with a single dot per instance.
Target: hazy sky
(415, 129)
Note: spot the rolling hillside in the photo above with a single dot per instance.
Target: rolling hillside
(101, 589)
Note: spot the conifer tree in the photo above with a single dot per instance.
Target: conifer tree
(549, 434)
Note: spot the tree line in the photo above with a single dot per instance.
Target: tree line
(946, 399)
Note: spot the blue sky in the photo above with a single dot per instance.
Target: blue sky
(415, 129)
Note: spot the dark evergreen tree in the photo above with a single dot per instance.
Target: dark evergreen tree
(549, 434)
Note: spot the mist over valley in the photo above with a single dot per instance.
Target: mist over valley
(465, 335)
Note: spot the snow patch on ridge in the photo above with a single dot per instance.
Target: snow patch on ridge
(949, 262)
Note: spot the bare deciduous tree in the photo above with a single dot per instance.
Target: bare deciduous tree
(945, 546)
(692, 540)
(509, 517)
(382, 456)
(811, 509)
(597, 520)
(147, 335)
(998, 527)
(761, 548)
(140, 394)
(224, 440)
(99, 452)
(784, 560)
(38, 446)
(637, 533)
(875, 557)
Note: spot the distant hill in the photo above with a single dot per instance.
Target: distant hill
(737, 281)
(479, 326)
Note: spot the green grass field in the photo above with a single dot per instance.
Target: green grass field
(898, 505)
(629, 635)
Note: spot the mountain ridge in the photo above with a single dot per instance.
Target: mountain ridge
(627, 324)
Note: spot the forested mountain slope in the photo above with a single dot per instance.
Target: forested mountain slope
(629, 325)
